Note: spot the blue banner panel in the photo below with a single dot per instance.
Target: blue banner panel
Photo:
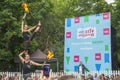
(88, 39)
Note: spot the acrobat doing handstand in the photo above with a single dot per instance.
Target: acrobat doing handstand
(26, 30)
(27, 36)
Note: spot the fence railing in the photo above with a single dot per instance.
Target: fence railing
(55, 74)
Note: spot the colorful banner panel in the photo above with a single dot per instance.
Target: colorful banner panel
(88, 39)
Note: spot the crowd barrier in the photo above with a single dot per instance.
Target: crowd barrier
(55, 74)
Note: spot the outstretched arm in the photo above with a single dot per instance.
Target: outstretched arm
(41, 75)
(38, 25)
(22, 26)
(36, 64)
(32, 28)
(50, 74)
(20, 56)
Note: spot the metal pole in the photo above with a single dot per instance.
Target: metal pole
(57, 65)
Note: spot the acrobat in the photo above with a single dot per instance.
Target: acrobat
(26, 33)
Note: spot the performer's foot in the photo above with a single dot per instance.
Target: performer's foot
(38, 26)
(39, 23)
(37, 29)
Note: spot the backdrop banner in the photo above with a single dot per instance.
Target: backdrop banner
(88, 39)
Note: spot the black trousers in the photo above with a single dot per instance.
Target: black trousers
(27, 42)
(26, 76)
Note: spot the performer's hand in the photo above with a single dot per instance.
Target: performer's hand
(26, 52)
(39, 23)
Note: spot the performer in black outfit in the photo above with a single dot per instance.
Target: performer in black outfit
(82, 68)
(26, 33)
(27, 64)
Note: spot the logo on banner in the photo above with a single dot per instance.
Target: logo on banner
(68, 22)
(98, 66)
(106, 47)
(97, 21)
(86, 18)
(76, 58)
(68, 59)
(106, 58)
(98, 56)
(89, 32)
(105, 16)
(77, 20)
(67, 70)
(106, 31)
(107, 69)
(98, 15)
(75, 68)
(68, 50)
(86, 59)
(68, 34)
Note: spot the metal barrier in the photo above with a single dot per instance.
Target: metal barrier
(12, 75)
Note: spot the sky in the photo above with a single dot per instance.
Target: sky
(109, 1)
